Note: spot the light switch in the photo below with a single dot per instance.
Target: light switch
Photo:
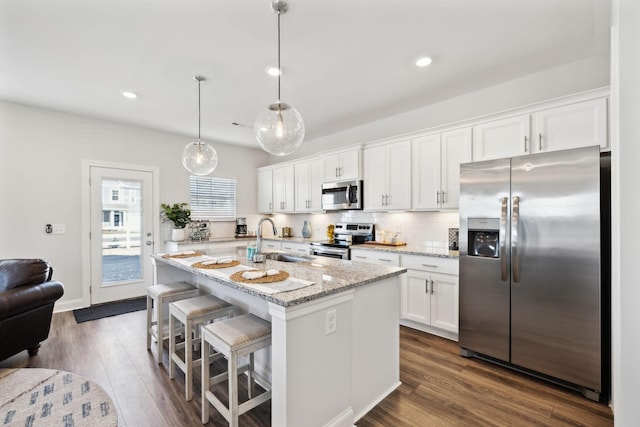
(59, 228)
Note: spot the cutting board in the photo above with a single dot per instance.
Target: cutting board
(386, 243)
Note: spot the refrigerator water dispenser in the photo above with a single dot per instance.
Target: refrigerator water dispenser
(484, 237)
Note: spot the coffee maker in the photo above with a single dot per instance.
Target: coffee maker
(241, 227)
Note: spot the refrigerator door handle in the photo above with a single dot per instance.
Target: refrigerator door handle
(503, 239)
(514, 238)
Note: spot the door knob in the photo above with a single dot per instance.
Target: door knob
(148, 234)
(149, 242)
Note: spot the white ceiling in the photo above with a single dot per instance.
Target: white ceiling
(345, 63)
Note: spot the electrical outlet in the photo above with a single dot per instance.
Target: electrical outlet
(331, 322)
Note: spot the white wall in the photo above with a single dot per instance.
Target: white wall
(40, 179)
(625, 131)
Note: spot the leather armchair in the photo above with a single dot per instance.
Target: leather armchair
(27, 296)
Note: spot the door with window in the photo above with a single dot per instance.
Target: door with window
(121, 232)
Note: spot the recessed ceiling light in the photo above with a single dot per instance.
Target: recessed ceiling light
(273, 71)
(425, 61)
(129, 95)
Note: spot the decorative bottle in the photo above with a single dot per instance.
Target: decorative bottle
(306, 231)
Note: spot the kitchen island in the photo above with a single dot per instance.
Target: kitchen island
(335, 339)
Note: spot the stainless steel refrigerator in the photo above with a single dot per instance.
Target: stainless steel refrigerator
(533, 258)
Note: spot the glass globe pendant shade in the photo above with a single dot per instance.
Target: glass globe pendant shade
(199, 158)
(279, 129)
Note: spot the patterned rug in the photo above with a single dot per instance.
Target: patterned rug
(35, 397)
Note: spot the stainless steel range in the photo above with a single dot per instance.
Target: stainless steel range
(345, 235)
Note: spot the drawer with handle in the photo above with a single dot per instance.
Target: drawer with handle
(433, 264)
(375, 257)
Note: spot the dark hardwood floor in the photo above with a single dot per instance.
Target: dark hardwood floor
(439, 388)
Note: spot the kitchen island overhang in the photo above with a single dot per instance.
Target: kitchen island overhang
(335, 343)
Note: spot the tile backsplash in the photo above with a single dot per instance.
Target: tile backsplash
(414, 228)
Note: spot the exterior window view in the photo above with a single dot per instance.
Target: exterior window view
(121, 228)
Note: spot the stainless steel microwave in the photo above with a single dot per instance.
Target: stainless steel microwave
(339, 196)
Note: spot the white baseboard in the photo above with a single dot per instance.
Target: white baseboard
(430, 330)
(343, 419)
(61, 306)
(377, 401)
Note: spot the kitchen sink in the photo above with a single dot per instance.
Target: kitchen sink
(276, 256)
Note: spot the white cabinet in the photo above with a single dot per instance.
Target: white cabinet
(342, 165)
(295, 248)
(571, 126)
(283, 194)
(435, 168)
(387, 174)
(502, 138)
(579, 124)
(429, 294)
(271, 245)
(375, 257)
(309, 176)
(265, 191)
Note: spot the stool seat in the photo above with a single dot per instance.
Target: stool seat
(240, 330)
(235, 337)
(158, 296)
(192, 312)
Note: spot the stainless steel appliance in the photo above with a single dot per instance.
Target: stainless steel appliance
(534, 266)
(241, 227)
(345, 195)
(345, 235)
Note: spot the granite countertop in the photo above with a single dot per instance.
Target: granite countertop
(410, 250)
(330, 276)
(406, 250)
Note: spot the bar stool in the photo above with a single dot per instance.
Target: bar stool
(157, 297)
(191, 313)
(234, 337)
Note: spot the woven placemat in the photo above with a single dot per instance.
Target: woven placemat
(237, 277)
(183, 255)
(213, 266)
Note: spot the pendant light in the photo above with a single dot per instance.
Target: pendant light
(279, 128)
(198, 157)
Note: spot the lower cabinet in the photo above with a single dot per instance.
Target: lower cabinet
(429, 295)
(295, 248)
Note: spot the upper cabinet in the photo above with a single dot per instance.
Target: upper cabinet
(342, 165)
(387, 176)
(435, 168)
(309, 176)
(265, 191)
(574, 125)
(283, 184)
(571, 126)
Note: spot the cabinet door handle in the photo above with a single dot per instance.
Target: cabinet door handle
(429, 265)
(383, 259)
(444, 197)
(360, 256)
(426, 286)
(270, 206)
(386, 200)
(382, 201)
(432, 285)
(539, 141)
(525, 143)
(437, 197)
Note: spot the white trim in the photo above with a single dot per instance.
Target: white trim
(343, 419)
(86, 216)
(377, 401)
(61, 306)
(300, 310)
(429, 329)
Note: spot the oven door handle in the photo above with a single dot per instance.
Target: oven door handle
(322, 250)
(348, 195)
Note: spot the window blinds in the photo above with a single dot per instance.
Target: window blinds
(212, 199)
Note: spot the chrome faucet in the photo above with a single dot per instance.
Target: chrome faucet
(259, 233)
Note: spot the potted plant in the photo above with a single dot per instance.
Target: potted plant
(180, 215)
